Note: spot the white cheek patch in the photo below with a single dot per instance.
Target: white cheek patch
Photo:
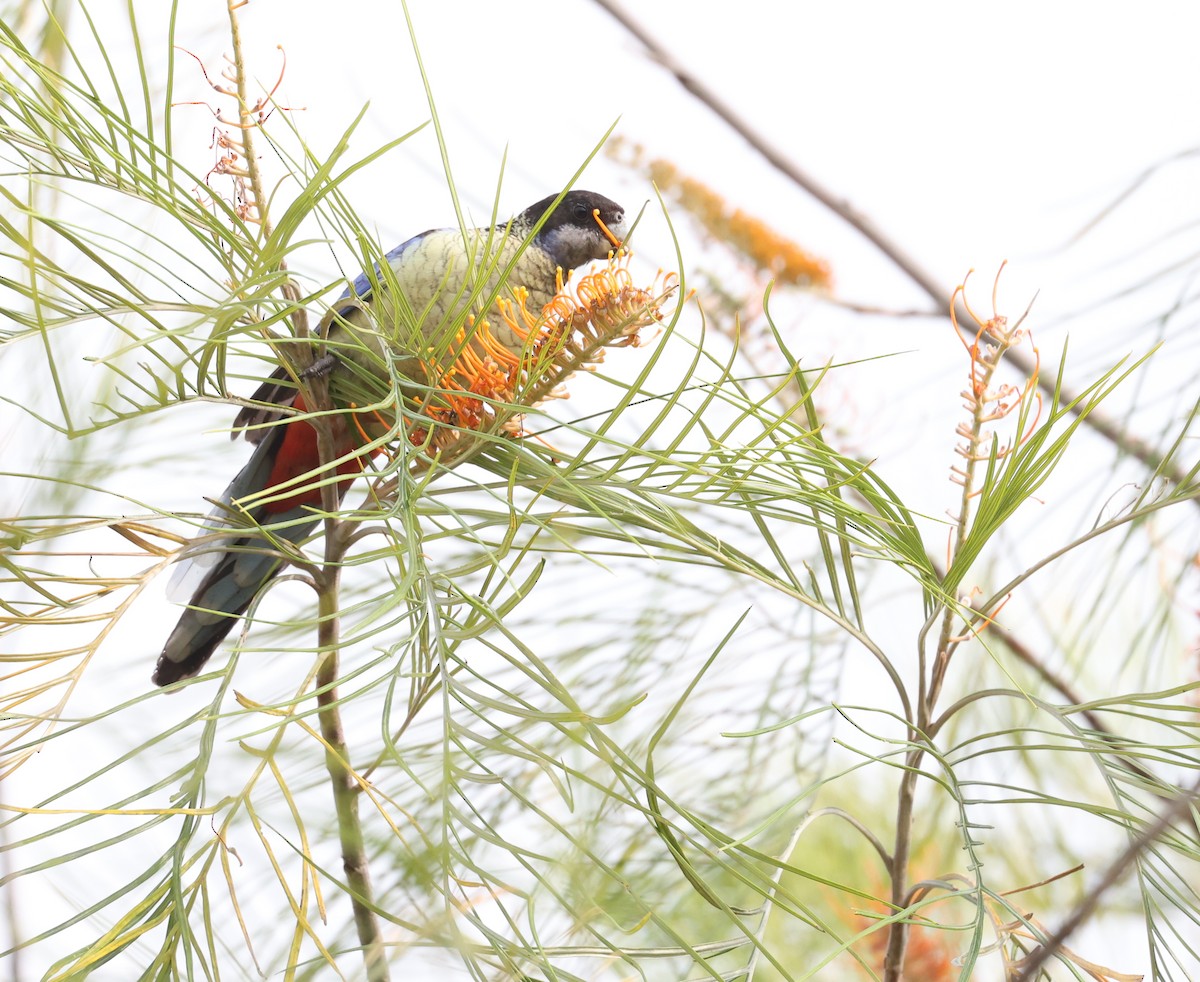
(570, 246)
(571, 238)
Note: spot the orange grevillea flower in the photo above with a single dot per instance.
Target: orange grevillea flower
(770, 251)
(489, 383)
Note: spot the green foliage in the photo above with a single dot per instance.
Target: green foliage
(590, 692)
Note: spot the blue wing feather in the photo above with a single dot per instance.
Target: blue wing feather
(365, 282)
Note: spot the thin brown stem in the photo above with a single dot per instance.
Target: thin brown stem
(1032, 964)
(897, 946)
(345, 785)
(247, 126)
(1153, 459)
(344, 781)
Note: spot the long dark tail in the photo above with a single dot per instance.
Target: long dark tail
(242, 567)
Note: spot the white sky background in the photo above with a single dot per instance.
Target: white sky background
(969, 133)
(966, 135)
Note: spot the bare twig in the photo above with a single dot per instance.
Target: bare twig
(1154, 460)
(1031, 965)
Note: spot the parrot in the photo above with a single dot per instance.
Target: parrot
(441, 276)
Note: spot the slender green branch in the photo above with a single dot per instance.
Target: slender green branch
(337, 756)
(246, 123)
(978, 446)
(328, 579)
(342, 778)
(246, 126)
(897, 947)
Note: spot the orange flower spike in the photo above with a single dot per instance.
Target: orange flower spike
(973, 348)
(495, 385)
(499, 390)
(481, 374)
(532, 331)
(605, 285)
(620, 270)
(591, 290)
(549, 329)
(473, 376)
(495, 350)
(363, 435)
(469, 413)
(511, 310)
(560, 307)
(507, 309)
(490, 378)
(532, 321)
(460, 407)
(467, 361)
(468, 367)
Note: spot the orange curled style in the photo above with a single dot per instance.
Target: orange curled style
(616, 243)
